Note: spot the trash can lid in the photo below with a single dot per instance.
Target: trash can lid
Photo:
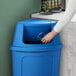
(35, 21)
(19, 45)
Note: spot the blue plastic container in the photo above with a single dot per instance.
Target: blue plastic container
(29, 56)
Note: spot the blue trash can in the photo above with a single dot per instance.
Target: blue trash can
(29, 56)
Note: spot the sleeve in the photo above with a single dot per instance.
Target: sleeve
(68, 14)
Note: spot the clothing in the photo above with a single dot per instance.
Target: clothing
(67, 16)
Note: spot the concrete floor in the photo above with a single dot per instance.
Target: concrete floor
(68, 52)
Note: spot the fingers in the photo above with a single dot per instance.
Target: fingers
(44, 41)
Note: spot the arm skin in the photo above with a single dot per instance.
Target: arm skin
(68, 14)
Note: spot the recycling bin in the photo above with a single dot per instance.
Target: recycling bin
(30, 57)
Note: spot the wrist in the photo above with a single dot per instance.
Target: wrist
(53, 32)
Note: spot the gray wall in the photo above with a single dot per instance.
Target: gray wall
(68, 52)
(12, 11)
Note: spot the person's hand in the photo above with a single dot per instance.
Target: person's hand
(48, 37)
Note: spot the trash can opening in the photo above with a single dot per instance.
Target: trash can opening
(33, 42)
(34, 34)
